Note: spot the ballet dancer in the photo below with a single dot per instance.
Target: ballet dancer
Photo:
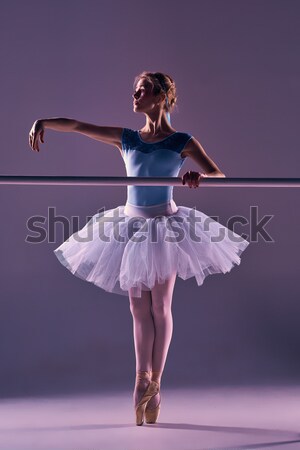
(145, 270)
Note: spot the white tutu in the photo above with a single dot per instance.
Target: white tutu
(118, 251)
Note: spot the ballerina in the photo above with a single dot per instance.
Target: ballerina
(135, 263)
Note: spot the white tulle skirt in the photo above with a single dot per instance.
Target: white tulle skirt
(132, 247)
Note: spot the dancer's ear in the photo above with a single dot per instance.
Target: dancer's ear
(161, 98)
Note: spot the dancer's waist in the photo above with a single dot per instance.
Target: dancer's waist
(163, 209)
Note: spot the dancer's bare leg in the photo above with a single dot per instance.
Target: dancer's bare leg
(143, 332)
(161, 296)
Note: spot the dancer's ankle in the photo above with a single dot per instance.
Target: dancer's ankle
(156, 376)
(142, 375)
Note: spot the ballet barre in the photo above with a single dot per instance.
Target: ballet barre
(145, 181)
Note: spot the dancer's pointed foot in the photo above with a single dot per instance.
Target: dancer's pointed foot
(144, 390)
(153, 406)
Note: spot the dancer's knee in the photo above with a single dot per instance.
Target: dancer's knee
(161, 307)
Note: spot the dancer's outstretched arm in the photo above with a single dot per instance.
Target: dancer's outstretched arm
(108, 135)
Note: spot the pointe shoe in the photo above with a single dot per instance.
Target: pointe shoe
(141, 406)
(152, 414)
(151, 390)
(153, 406)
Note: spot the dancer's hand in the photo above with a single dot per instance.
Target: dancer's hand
(192, 178)
(36, 133)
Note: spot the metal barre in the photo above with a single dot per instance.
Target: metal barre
(145, 181)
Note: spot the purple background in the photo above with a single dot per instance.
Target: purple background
(236, 66)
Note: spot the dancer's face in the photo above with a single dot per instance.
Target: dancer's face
(143, 98)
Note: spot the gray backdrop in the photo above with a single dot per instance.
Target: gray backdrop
(236, 65)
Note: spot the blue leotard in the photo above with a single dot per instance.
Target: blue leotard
(155, 159)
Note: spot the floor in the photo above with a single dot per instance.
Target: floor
(210, 418)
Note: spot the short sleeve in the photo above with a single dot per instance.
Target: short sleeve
(187, 138)
(126, 139)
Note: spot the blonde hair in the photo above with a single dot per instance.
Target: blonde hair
(160, 82)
